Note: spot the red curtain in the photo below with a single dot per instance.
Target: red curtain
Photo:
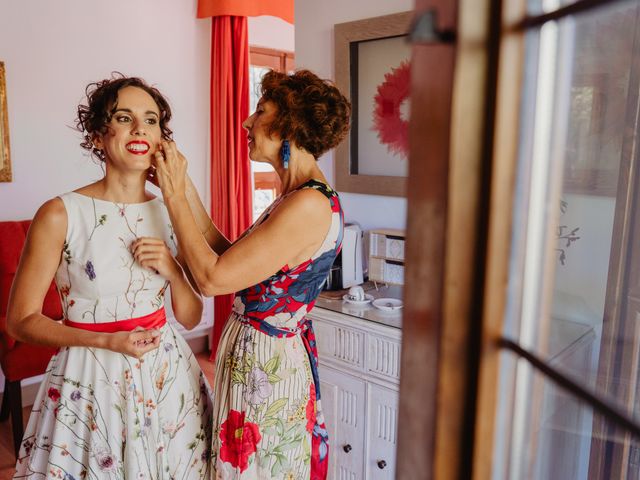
(231, 195)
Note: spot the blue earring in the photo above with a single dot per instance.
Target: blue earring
(285, 153)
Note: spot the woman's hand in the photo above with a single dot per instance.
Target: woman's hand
(154, 254)
(134, 343)
(170, 171)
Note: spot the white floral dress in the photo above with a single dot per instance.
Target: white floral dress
(268, 421)
(105, 415)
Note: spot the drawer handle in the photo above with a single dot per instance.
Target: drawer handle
(346, 448)
(382, 464)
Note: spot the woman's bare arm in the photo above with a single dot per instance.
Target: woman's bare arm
(290, 235)
(216, 240)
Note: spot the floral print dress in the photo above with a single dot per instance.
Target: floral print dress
(268, 422)
(105, 415)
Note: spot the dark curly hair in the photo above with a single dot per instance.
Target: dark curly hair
(311, 112)
(102, 101)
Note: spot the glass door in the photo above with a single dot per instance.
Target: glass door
(568, 372)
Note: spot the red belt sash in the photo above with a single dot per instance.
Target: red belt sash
(154, 320)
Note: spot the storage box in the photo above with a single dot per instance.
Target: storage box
(386, 256)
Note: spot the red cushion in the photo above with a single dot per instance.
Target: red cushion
(24, 361)
(34, 358)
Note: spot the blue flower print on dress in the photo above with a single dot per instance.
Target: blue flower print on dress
(88, 269)
(309, 283)
(320, 432)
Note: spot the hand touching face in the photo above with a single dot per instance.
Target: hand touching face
(170, 170)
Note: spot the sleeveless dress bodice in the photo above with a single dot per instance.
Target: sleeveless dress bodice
(283, 299)
(98, 278)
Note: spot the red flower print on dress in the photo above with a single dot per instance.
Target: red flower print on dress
(53, 394)
(239, 440)
(392, 129)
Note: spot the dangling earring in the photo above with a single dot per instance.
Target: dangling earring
(285, 154)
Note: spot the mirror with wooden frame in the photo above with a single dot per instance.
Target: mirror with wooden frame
(372, 68)
(5, 158)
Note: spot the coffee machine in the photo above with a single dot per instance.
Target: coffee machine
(347, 267)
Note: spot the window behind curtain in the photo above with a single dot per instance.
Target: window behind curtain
(266, 185)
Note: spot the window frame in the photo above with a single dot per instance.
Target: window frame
(281, 61)
(515, 23)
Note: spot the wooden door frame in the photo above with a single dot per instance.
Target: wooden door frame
(445, 243)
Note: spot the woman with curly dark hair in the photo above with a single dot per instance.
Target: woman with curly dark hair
(124, 396)
(267, 417)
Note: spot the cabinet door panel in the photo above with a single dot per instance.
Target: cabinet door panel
(347, 444)
(382, 430)
(329, 400)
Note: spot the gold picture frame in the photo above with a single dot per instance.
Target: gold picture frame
(348, 37)
(5, 154)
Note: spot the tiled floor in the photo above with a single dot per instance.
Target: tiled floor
(7, 458)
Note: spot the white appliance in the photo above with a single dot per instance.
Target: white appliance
(352, 256)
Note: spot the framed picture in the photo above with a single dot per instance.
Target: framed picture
(5, 158)
(595, 133)
(372, 67)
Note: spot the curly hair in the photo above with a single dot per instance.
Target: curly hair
(102, 101)
(311, 112)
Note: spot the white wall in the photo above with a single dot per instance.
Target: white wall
(314, 50)
(581, 284)
(271, 32)
(52, 50)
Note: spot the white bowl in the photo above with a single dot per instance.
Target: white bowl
(387, 304)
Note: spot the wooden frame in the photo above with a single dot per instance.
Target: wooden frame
(5, 153)
(279, 60)
(503, 171)
(346, 36)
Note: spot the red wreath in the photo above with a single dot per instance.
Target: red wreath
(392, 130)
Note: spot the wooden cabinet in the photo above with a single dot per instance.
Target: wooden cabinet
(359, 378)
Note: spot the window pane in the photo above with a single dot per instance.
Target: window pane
(262, 198)
(574, 289)
(255, 77)
(549, 434)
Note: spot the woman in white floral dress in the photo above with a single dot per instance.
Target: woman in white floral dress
(267, 415)
(124, 396)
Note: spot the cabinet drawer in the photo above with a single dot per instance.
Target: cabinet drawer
(383, 357)
(341, 345)
(382, 433)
